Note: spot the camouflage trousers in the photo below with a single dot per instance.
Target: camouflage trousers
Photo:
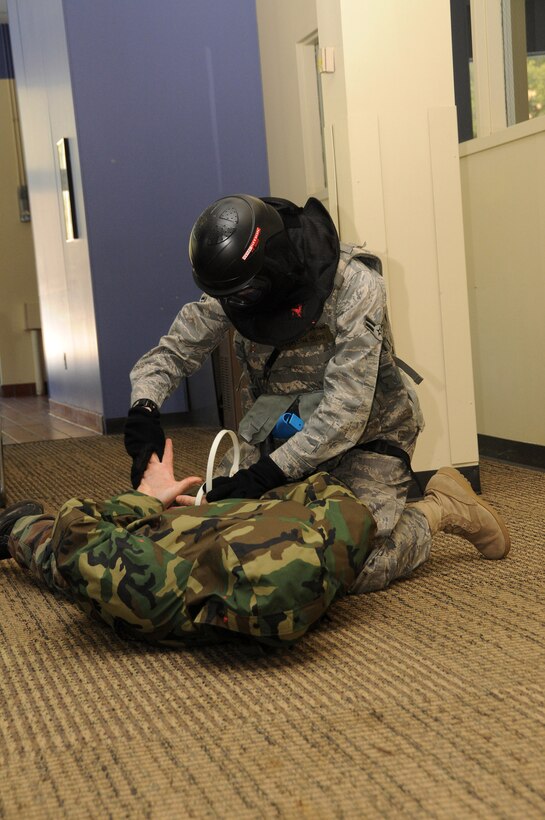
(266, 569)
(402, 540)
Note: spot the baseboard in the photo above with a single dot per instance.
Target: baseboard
(515, 452)
(18, 391)
(77, 415)
(472, 473)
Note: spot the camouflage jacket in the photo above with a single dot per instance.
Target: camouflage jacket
(265, 569)
(341, 375)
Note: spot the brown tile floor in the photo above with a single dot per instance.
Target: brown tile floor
(28, 419)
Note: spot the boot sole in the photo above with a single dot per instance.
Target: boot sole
(464, 483)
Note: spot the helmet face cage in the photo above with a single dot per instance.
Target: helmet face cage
(227, 243)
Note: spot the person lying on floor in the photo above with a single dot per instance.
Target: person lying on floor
(173, 575)
(267, 568)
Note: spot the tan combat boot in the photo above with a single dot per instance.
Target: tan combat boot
(450, 505)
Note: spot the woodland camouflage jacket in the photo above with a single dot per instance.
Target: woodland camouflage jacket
(265, 569)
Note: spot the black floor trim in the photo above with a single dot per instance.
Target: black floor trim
(472, 474)
(516, 452)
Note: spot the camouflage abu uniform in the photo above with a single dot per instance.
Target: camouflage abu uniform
(342, 378)
(265, 569)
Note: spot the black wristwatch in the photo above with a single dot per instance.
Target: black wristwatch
(147, 404)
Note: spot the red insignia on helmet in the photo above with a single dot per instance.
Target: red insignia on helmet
(253, 244)
(297, 312)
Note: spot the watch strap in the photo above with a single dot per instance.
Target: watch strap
(147, 404)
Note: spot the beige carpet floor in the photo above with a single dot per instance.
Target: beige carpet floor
(425, 700)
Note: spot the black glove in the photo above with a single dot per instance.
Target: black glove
(250, 483)
(143, 436)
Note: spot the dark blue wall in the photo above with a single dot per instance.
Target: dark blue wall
(6, 59)
(169, 117)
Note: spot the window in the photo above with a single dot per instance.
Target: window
(499, 63)
(462, 50)
(535, 56)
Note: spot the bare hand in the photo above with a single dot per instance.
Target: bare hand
(158, 480)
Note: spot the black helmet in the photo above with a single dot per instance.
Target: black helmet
(227, 243)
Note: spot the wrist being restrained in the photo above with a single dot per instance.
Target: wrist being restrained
(248, 483)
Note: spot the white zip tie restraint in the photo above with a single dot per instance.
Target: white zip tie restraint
(211, 459)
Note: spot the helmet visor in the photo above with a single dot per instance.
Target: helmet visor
(251, 295)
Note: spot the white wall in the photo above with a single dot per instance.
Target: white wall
(504, 212)
(282, 24)
(17, 269)
(392, 145)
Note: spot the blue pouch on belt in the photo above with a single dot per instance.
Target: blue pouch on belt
(287, 425)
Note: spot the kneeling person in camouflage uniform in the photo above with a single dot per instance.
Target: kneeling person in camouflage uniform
(313, 337)
(175, 575)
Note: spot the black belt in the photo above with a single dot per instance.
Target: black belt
(384, 448)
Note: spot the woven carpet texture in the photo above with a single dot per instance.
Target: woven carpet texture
(425, 700)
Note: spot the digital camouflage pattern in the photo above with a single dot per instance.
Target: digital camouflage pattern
(402, 540)
(342, 372)
(265, 569)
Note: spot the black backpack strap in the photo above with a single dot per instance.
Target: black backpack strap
(266, 447)
(416, 377)
(268, 367)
